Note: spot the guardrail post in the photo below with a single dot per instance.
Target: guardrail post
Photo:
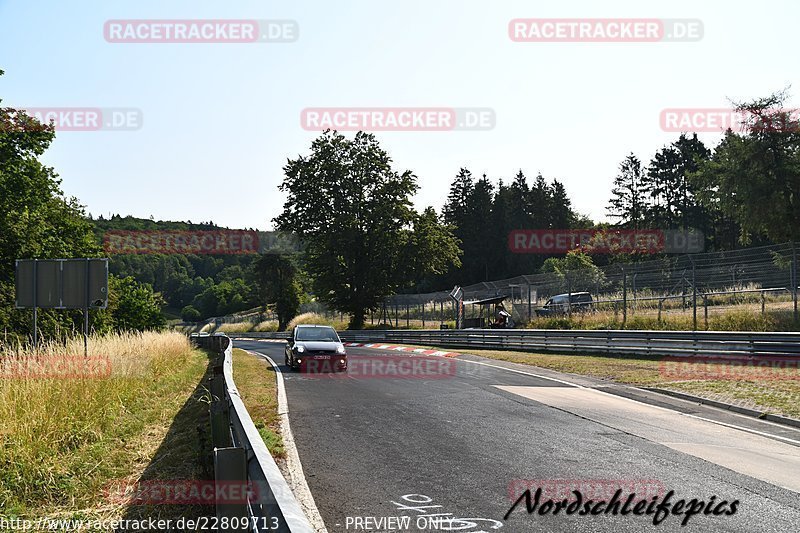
(220, 425)
(230, 476)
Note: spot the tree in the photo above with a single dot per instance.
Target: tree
(561, 214)
(627, 202)
(575, 269)
(539, 203)
(36, 219)
(353, 213)
(190, 314)
(661, 187)
(478, 234)
(134, 306)
(278, 283)
(431, 248)
(670, 195)
(455, 212)
(754, 175)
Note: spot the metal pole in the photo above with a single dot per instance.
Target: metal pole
(423, 315)
(694, 298)
(624, 297)
(794, 280)
(408, 316)
(569, 296)
(683, 290)
(529, 302)
(35, 301)
(86, 315)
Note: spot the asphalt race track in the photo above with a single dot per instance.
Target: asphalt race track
(458, 439)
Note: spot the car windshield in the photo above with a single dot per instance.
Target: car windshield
(317, 334)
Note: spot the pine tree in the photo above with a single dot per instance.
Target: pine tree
(455, 210)
(561, 214)
(627, 202)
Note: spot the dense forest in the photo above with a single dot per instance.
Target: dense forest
(192, 286)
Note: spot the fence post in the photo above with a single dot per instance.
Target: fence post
(423, 315)
(529, 302)
(569, 296)
(683, 291)
(763, 304)
(694, 297)
(794, 281)
(624, 297)
(408, 316)
(705, 310)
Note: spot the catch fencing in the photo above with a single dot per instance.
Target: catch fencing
(695, 287)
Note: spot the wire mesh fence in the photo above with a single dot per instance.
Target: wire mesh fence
(692, 288)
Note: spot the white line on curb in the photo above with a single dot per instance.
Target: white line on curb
(297, 479)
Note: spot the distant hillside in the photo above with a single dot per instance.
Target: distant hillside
(117, 222)
(211, 285)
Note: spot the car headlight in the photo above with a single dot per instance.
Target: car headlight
(342, 361)
(340, 349)
(301, 349)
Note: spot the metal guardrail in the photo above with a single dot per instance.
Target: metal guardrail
(241, 457)
(638, 342)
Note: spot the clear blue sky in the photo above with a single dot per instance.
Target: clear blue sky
(220, 120)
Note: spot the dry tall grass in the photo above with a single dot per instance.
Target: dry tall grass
(314, 318)
(68, 424)
(266, 325)
(235, 327)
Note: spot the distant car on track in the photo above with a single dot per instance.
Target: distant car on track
(315, 349)
(560, 304)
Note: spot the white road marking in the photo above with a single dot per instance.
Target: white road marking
(754, 455)
(726, 424)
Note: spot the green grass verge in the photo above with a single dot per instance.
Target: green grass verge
(257, 384)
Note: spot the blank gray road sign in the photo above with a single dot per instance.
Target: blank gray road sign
(62, 283)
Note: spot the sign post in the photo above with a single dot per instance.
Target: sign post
(457, 295)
